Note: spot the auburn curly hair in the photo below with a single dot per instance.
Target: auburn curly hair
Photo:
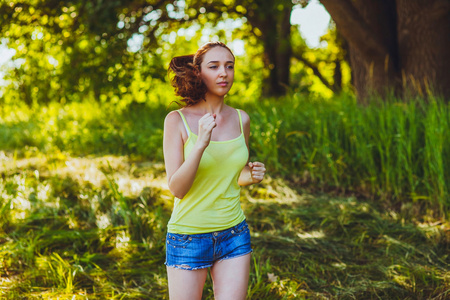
(186, 74)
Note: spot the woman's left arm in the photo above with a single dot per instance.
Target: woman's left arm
(253, 172)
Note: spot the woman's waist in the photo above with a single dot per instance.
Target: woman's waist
(202, 225)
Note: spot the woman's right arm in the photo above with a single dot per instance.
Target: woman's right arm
(180, 172)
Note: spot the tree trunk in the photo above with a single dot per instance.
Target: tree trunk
(276, 36)
(337, 76)
(272, 86)
(398, 46)
(424, 46)
(284, 52)
(367, 26)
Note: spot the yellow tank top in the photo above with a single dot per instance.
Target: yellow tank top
(213, 202)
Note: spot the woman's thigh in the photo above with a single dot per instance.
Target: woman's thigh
(186, 284)
(230, 277)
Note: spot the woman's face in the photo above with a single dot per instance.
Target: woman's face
(217, 71)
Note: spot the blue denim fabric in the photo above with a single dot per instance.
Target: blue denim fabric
(198, 251)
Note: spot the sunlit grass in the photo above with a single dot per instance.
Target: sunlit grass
(93, 228)
(390, 150)
(355, 205)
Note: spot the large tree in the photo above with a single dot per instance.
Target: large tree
(76, 48)
(396, 45)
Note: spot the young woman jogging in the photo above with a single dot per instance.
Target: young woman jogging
(206, 158)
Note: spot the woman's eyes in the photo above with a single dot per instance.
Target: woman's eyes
(215, 67)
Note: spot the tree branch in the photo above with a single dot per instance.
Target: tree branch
(315, 70)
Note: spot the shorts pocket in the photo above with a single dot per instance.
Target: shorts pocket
(178, 240)
(239, 229)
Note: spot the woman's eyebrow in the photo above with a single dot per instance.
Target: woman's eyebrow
(216, 62)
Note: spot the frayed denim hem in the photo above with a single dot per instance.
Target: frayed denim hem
(187, 267)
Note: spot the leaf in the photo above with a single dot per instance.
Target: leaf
(272, 277)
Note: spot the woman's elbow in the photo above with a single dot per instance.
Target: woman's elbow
(176, 193)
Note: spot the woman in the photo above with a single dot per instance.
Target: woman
(206, 158)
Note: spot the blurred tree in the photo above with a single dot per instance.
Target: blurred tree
(333, 57)
(69, 50)
(271, 22)
(399, 45)
(73, 49)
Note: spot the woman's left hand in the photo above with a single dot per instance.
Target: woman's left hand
(257, 171)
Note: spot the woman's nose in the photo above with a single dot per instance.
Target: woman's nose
(223, 72)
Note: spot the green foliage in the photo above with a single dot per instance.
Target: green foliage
(320, 71)
(86, 128)
(72, 51)
(66, 49)
(389, 149)
(94, 228)
(77, 234)
(321, 247)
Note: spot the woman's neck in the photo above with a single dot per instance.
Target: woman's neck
(212, 104)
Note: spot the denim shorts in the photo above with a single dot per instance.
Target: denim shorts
(199, 251)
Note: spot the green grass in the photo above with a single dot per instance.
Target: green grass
(355, 207)
(67, 230)
(94, 227)
(392, 151)
(84, 128)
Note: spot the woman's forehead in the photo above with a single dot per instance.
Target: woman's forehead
(218, 54)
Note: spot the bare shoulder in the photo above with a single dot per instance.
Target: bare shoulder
(173, 116)
(172, 120)
(245, 117)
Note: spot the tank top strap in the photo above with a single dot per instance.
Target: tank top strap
(188, 130)
(240, 121)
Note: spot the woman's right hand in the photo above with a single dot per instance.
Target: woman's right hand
(205, 126)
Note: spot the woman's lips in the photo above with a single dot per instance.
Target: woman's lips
(223, 83)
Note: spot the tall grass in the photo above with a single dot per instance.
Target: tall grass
(392, 150)
(87, 128)
(94, 228)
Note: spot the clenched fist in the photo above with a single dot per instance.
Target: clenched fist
(205, 126)
(257, 171)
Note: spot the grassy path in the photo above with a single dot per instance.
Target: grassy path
(93, 228)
